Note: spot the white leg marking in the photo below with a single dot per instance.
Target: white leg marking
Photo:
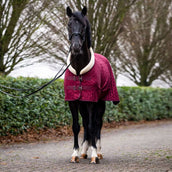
(98, 144)
(84, 147)
(75, 153)
(94, 152)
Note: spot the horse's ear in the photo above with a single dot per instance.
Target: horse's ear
(84, 11)
(69, 11)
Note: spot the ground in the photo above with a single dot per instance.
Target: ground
(142, 147)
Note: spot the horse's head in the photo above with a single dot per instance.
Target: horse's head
(78, 30)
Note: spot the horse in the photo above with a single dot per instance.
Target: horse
(88, 83)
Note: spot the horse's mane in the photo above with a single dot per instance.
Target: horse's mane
(84, 20)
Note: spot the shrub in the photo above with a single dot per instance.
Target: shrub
(47, 108)
(141, 103)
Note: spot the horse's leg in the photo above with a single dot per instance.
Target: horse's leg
(85, 144)
(99, 123)
(76, 128)
(92, 131)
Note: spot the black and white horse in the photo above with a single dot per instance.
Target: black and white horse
(83, 62)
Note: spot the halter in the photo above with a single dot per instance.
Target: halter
(82, 36)
(75, 34)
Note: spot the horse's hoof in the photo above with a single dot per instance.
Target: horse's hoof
(100, 156)
(75, 159)
(94, 160)
(84, 156)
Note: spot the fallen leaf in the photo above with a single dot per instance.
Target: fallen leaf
(3, 163)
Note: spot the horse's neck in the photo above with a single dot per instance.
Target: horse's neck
(81, 60)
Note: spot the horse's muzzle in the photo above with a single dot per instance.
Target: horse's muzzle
(76, 48)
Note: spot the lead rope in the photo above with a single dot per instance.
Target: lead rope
(57, 76)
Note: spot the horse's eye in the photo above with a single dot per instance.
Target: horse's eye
(69, 24)
(83, 29)
(69, 27)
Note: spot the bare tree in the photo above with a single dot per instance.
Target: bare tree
(167, 76)
(106, 18)
(54, 39)
(40, 28)
(19, 23)
(146, 41)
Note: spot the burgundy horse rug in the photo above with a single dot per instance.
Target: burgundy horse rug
(95, 82)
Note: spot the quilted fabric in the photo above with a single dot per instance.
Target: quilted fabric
(97, 84)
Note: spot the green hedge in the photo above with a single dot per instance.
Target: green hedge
(47, 108)
(141, 103)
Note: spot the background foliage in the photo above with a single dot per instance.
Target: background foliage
(47, 109)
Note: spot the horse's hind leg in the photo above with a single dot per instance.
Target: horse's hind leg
(85, 120)
(76, 128)
(99, 123)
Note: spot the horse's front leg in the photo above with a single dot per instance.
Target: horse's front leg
(99, 122)
(94, 156)
(76, 128)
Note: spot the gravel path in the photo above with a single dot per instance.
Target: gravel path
(143, 147)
